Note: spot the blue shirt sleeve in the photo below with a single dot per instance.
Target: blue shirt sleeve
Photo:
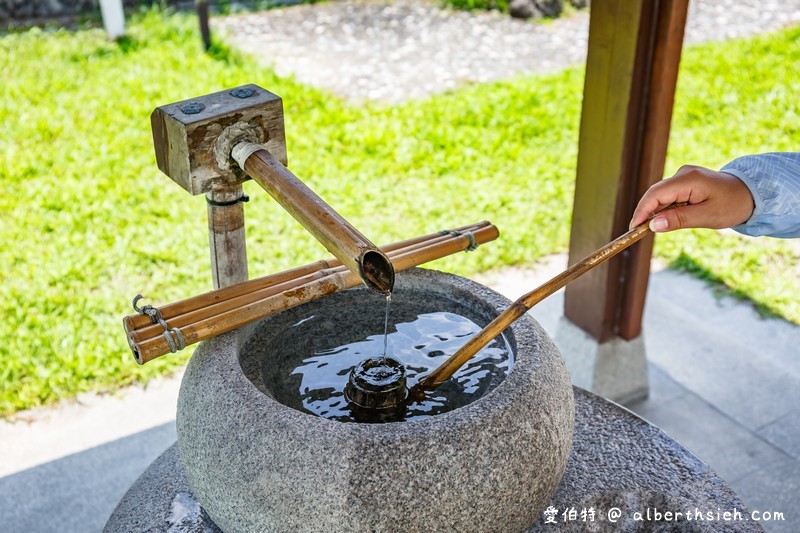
(774, 182)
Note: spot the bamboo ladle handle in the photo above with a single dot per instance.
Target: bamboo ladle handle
(524, 304)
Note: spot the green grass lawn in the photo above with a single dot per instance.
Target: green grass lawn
(88, 221)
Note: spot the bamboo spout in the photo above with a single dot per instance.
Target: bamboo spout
(338, 236)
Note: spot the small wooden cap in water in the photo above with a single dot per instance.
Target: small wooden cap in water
(377, 385)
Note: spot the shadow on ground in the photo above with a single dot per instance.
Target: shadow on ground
(78, 492)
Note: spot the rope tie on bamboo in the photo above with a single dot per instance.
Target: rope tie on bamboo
(473, 245)
(176, 343)
(242, 199)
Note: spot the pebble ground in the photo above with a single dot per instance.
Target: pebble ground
(406, 49)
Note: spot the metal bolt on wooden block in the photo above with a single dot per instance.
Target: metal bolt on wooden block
(193, 139)
(212, 143)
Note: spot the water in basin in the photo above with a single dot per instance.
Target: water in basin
(306, 365)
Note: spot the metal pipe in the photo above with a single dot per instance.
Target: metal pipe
(335, 233)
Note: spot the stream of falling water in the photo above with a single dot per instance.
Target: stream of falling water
(386, 325)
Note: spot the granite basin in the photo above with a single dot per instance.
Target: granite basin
(256, 464)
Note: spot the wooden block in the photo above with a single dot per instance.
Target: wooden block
(193, 138)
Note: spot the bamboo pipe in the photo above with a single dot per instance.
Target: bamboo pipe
(154, 347)
(211, 307)
(341, 239)
(230, 320)
(170, 311)
(207, 305)
(523, 305)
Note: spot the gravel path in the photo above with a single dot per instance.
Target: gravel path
(392, 51)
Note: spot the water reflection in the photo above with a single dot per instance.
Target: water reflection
(421, 345)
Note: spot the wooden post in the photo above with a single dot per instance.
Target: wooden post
(631, 73)
(113, 15)
(192, 141)
(655, 114)
(226, 235)
(202, 17)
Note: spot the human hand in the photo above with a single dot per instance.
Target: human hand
(714, 200)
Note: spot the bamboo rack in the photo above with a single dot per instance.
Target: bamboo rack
(222, 310)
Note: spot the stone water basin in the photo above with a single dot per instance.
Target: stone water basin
(257, 459)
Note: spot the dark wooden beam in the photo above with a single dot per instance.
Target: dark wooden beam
(656, 114)
(202, 17)
(631, 72)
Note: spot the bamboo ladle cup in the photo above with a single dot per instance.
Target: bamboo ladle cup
(523, 305)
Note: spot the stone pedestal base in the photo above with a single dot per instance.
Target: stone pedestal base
(619, 467)
(616, 369)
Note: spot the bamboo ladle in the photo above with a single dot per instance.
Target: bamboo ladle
(524, 303)
(389, 400)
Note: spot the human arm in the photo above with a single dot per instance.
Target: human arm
(756, 195)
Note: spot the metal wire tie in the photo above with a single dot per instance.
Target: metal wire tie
(175, 344)
(473, 245)
(243, 198)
